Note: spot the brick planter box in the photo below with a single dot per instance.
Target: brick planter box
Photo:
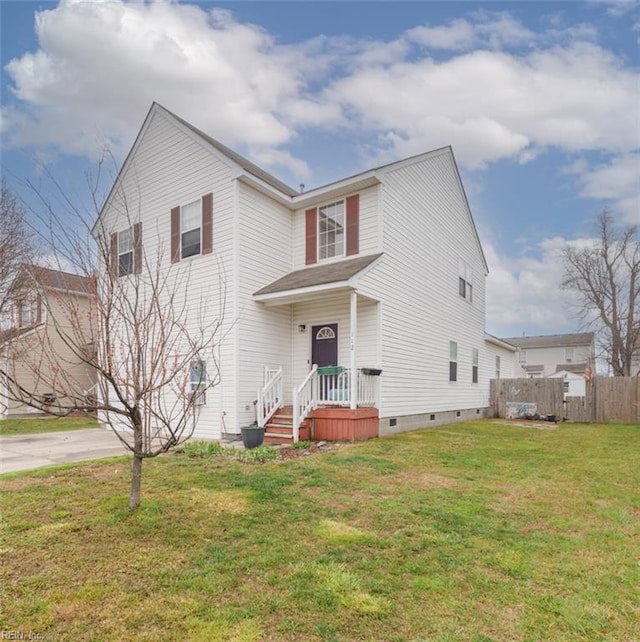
(344, 424)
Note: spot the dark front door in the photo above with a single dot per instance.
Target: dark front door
(324, 344)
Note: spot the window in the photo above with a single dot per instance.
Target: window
(474, 366)
(568, 355)
(190, 228)
(28, 312)
(453, 361)
(198, 381)
(465, 281)
(497, 367)
(522, 356)
(125, 252)
(331, 234)
(565, 385)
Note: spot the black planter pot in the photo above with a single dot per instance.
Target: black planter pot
(252, 436)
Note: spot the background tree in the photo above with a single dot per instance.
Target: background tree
(152, 341)
(15, 245)
(605, 276)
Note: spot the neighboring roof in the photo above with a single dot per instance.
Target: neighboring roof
(58, 280)
(552, 340)
(489, 338)
(335, 272)
(575, 368)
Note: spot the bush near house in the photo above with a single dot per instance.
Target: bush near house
(470, 532)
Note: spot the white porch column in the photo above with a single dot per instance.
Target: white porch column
(352, 349)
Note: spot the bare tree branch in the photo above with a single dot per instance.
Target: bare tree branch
(606, 279)
(153, 348)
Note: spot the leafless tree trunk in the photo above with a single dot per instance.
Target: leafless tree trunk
(605, 276)
(15, 246)
(152, 341)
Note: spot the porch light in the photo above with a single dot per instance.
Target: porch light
(302, 327)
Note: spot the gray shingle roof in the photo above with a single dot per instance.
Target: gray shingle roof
(336, 272)
(551, 340)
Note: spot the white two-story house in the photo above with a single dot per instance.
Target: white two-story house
(567, 356)
(358, 306)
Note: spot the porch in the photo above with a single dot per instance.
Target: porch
(331, 404)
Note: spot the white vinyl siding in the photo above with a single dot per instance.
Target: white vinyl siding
(426, 229)
(170, 165)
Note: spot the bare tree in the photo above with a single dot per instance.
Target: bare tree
(15, 246)
(152, 342)
(605, 276)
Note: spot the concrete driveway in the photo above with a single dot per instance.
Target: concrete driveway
(25, 452)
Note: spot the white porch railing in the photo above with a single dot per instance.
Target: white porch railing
(304, 401)
(269, 396)
(332, 388)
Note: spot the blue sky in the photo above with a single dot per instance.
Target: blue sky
(539, 100)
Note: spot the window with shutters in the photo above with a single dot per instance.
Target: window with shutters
(190, 229)
(125, 252)
(331, 230)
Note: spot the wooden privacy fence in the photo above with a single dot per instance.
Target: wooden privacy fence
(608, 399)
(527, 397)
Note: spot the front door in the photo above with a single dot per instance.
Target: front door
(324, 344)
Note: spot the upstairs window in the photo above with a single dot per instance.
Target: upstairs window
(522, 356)
(568, 355)
(28, 312)
(331, 230)
(474, 366)
(190, 229)
(125, 252)
(465, 281)
(453, 361)
(497, 367)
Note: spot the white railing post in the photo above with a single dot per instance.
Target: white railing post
(296, 416)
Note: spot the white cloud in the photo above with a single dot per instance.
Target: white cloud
(524, 294)
(492, 104)
(100, 65)
(618, 183)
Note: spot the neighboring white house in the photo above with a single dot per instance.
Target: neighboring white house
(380, 274)
(543, 356)
(575, 385)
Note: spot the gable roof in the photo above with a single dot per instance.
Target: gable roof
(336, 272)
(49, 279)
(552, 340)
(288, 195)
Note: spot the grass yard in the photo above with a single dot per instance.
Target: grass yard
(33, 425)
(472, 532)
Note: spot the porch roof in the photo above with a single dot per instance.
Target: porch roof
(326, 276)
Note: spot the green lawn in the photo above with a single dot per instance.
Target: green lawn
(32, 425)
(471, 532)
